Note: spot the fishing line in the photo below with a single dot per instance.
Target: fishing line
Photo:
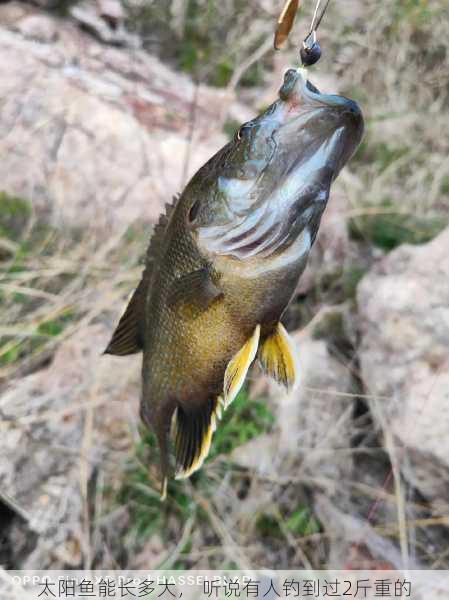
(316, 22)
(315, 12)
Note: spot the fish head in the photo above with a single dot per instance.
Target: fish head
(275, 175)
(317, 133)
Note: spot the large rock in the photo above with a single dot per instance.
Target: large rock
(39, 28)
(404, 324)
(95, 136)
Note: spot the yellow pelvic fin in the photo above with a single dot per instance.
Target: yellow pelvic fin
(238, 367)
(193, 436)
(277, 357)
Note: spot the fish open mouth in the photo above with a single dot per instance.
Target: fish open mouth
(322, 124)
(301, 95)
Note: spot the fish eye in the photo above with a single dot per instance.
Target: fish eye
(193, 212)
(244, 131)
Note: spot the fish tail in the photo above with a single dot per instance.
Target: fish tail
(193, 435)
(277, 357)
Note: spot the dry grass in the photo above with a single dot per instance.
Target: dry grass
(392, 57)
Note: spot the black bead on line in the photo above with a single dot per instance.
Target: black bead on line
(310, 54)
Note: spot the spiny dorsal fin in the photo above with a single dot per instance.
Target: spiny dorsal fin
(277, 357)
(159, 231)
(238, 367)
(193, 435)
(128, 336)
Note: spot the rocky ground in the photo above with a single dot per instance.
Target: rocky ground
(352, 469)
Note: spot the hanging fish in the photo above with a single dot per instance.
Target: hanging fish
(224, 262)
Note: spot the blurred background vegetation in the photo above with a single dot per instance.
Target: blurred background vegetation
(393, 58)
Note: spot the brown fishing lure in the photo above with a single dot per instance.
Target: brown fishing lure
(285, 23)
(224, 262)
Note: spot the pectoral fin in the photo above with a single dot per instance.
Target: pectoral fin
(193, 435)
(238, 367)
(277, 357)
(195, 291)
(127, 338)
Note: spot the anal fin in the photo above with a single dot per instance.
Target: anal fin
(238, 367)
(193, 436)
(277, 357)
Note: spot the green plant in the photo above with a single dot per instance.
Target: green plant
(243, 421)
(380, 154)
(267, 525)
(205, 38)
(230, 127)
(387, 229)
(15, 214)
(302, 522)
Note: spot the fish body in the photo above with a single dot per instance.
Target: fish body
(224, 262)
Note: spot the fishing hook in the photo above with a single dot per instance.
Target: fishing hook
(311, 50)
